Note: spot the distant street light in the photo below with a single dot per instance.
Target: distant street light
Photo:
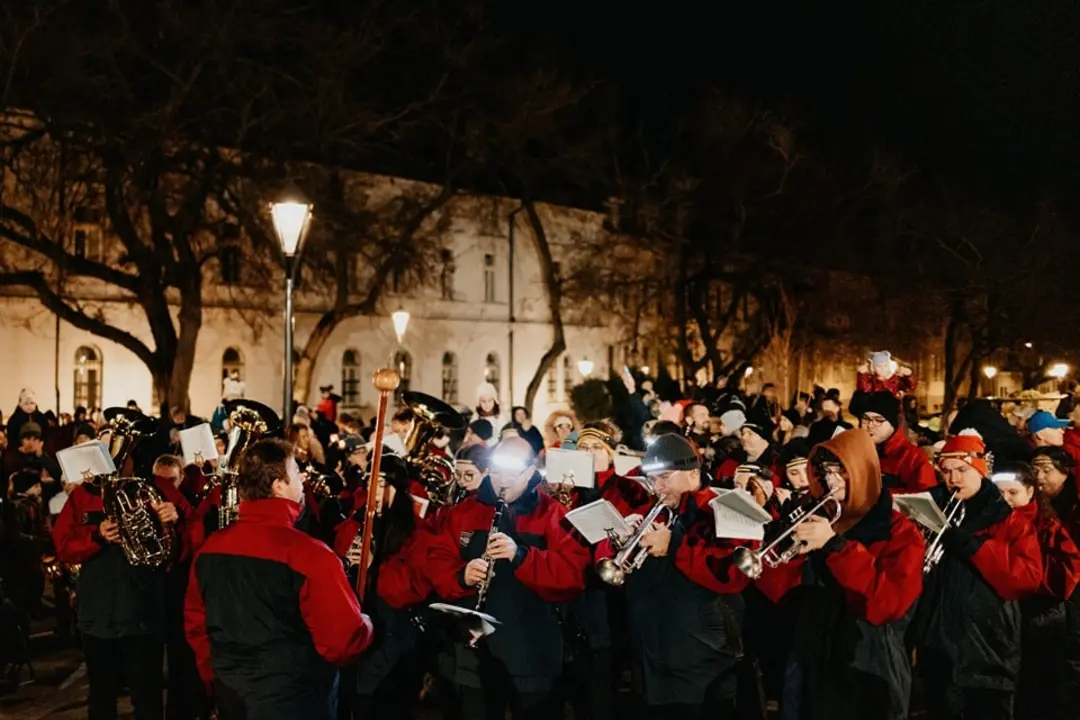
(645, 369)
(585, 367)
(990, 372)
(291, 215)
(749, 371)
(401, 324)
(1058, 371)
(1028, 345)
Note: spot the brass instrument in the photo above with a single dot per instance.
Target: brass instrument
(750, 562)
(433, 470)
(130, 501)
(954, 516)
(249, 421)
(630, 556)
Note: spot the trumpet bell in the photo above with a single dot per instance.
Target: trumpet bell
(610, 573)
(748, 562)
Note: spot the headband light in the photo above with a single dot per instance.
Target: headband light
(1004, 477)
(654, 467)
(506, 461)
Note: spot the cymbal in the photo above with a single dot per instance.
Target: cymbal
(434, 410)
(269, 416)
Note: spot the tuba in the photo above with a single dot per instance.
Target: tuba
(129, 501)
(248, 421)
(432, 469)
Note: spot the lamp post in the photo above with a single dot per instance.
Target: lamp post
(291, 213)
(585, 367)
(1058, 371)
(990, 372)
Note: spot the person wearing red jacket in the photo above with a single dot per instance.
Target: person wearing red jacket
(967, 626)
(685, 611)
(857, 580)
(1044, 666)
(904, 467)
(269, 611)
(881, 373)
(121, 608)
(390, 673)
(530, 562)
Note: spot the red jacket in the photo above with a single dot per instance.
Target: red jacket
(881, 581)
(904, 461)
(270, 610)
(1009, 559)
(1060, 555)
(897, 385)
(1072, 444)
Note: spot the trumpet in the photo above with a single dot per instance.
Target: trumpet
(954, 516)
(631, 556)
(751, 562)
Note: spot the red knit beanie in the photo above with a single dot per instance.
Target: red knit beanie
(969, 447)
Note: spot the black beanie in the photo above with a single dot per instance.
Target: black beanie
(24, 480)
(477, 454)
(882, 403)
(670, 452)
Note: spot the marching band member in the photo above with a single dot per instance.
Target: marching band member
(904, 467)
(523, 567)
(390, 672)
(269, 611)
(121, 607)
(859, 578)
(684, 607)
(1044, 659)
(967, 624)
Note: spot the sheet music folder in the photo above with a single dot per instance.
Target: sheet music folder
(738, 516)
(594, 521)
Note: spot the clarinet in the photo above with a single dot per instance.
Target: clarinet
(481, 595)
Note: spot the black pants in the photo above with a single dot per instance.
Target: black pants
(491, 704)
(109, 663)
(949, 702)
(674, 711)
(589, 685)
(186, 697)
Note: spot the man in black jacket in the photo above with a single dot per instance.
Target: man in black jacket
(269, 611)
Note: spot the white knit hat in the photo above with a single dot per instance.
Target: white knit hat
(486, 390)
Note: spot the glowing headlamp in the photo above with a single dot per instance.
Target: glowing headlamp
(505, 461)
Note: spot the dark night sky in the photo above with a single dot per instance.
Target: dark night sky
(986, 93)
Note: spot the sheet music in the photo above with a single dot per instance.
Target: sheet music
(625, 463)
(89, 457)
(477, 623)
(921, 508)
(595, 519)
(570, 466)
(198, 440)
(738, 516)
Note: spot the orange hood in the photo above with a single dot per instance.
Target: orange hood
(856, 451)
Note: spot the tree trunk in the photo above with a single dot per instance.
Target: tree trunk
(681, 322)
(305, 369)
(554, 294)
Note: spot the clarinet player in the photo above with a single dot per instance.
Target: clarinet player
(508, 543)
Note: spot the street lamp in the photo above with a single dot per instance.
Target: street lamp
(990, 372)
(401, 324)
(291, 214)
(1058, 371)
(749, 371)
(585, 367)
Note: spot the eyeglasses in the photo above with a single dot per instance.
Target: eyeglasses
(563, 426)
(873, 420)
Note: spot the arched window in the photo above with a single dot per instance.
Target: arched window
(231, 360)
(491, 371)
(87, 377)
(567, 377)
(350, 377)
(449, 377)
(403, 365)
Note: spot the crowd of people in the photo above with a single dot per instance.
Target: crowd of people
(488, 599)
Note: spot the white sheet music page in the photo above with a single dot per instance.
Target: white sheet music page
(90, 457)
(198, 440)
(738, 516)
(572, 467)
(595, 519)
(921, 508)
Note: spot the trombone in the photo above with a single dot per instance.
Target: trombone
(954, 515)
(751, 562)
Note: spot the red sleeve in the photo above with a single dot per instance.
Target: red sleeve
(918, 474)
(881, 582)
(195, 628)
(556, 573)
(1061, 560)
(402, 582)
(1009, 558)
(196, 529)
(445, 567)
(344, 535)
(330, 609)
(775, 582)
(726, 470)
(75, 542)
(864, 382)
(183, 509)
(706, 559)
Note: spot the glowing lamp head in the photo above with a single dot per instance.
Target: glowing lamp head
(1058, 370)
(990, 372)
(291, 213)
(749, 372)
(401, 324)
(585, 367)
